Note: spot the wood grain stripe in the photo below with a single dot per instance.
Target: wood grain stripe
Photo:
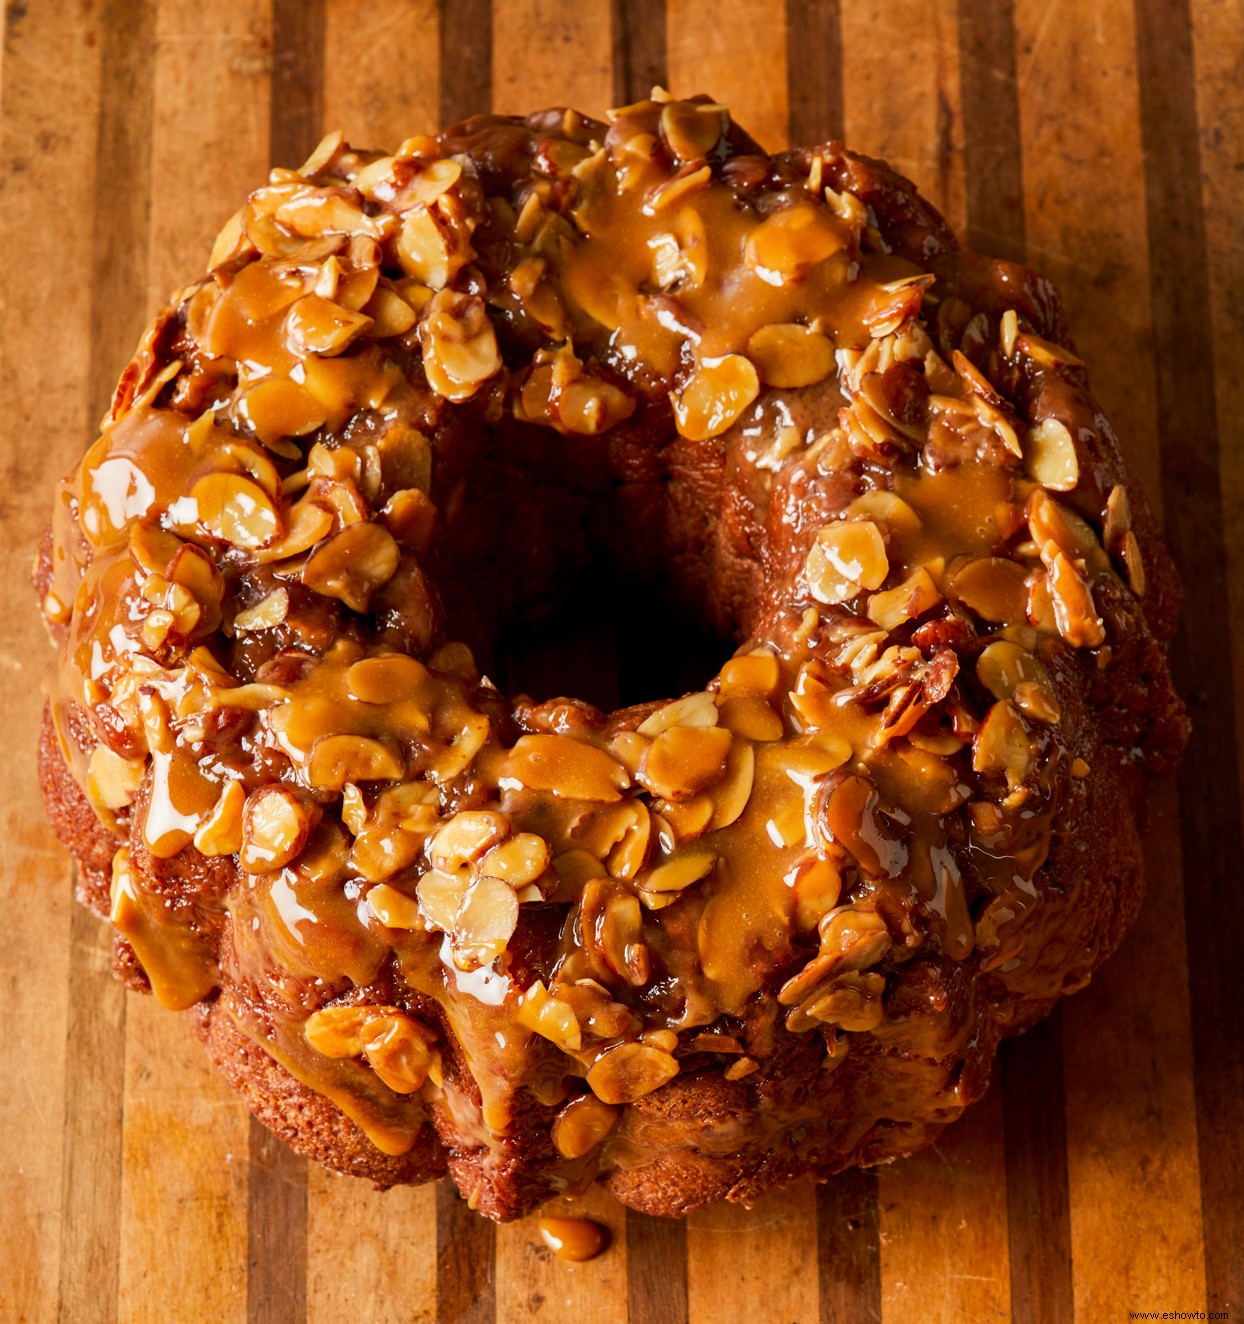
(638, 28)
(1219, 61)
(1133, 1194)
(1030, 1067)
(735, 52)
(296, 116)
(381, 78)
(276, 1285)
(848, 1248)
(565, 59)
(656, 1269)
(1036, 1175)
(814, 70)
(465, 59)
(95, 1061)
(1209, 782)
(277, 1178)
(466, 1252)
(48, 140)
(995, 186)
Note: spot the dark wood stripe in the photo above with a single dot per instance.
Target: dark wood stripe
(993, 162)
(814, 70)
(95, 1048)
(466, 1261)
(1031, 1067)
(639, 60)
(656, 1269)
(1209, 783)
(122, 215)
(1037, 1206)
(276, 1288)
(296, 119)
(276, 1283)
(466, 59)
(848, 1248)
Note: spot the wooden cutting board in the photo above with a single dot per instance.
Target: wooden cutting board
(1104, 140)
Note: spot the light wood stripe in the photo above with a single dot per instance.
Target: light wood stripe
(534, 1287)
(91, 1190)
(372, 1253)
(737, 53)
(761, 1255)
(381, 72)
(1191, 476)
(47, 152)
(943, 1226)
(550, 53)
(904, 94)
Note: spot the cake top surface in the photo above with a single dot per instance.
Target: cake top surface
(253, 660)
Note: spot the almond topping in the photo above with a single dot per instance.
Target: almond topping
(275, 825)
(685, 760)
(714, 396)
(353, 564)
(567, 767)
(1050, 456)
(788, 355)
(846, 558)
(629, 1071)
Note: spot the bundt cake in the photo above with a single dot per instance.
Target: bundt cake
(691, 949)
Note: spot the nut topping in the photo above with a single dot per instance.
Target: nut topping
(846, 558)
(567, 767)
(629, 1071)
(459, 345)
(275, 825)
(684, 760)
(1050, 456)
(353, 564)
(714, 396)
(582, 1124)
(788, 355)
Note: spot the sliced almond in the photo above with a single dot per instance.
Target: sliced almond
(714, 396)
(567, 767)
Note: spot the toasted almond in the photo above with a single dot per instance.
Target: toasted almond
(581, 1125)
(275, 825)
(788, 355)
(685, 760)
(629, 1071)
(567, 767)
(846, 558)
(714, 396)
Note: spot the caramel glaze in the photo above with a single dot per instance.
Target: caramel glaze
(695, 948)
